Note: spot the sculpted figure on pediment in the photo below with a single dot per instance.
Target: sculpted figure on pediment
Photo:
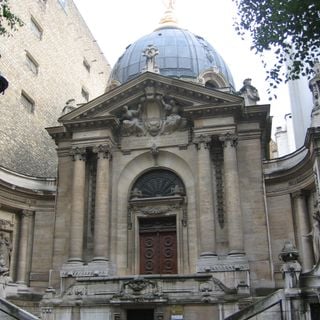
(131, 123)
(173, 120)
(158, 116)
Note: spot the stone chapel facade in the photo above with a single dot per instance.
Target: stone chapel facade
(166, 204)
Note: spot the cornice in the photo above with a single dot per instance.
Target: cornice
(208, 110)
(18, 191)
(34, 184)
(138, 87)
(312, 137)
(289, 167)
(59, 133)
(96, 123)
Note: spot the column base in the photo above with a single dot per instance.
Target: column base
(236, 253)
(206, 261)
(100, 259)
(208, 254)
(22, 287)
(77, 261)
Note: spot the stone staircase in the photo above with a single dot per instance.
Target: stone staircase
(9, 311)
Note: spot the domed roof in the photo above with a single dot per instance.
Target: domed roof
(180, 54)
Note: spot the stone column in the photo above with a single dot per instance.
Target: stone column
(78, 205)
(102, 210)
(303, 228)
(232, 194)
(23, 247)
(207, 228)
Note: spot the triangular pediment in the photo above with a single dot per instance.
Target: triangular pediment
(147, 87)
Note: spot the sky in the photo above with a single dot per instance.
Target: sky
(116, 24)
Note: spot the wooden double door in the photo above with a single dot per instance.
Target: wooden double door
(158, 246)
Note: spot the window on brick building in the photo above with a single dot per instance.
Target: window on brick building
(86, 64)
(36, 28)
(85, 94)
(32, 64)
(27, 102)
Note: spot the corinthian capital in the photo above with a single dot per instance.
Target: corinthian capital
(26, 213)
(229, 139)
(78, 153)
(102, 151)
(202, 141)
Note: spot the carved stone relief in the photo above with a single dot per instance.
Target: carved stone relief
(160, 115)
(217, 158)
(5, 252)
(139, 290)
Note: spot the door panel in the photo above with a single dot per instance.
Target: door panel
(168, 253)
(149, 253)
(158, 252)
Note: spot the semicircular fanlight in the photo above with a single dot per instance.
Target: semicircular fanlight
(158, 183)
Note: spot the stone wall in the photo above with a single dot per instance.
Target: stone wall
(48, 61)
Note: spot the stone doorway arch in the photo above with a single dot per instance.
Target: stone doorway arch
(157, 215)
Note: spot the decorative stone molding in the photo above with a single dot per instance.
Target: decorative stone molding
(154, 150)
(46, 310)
(223, 287)
(84, 273)
(102, 151)
(5, 253)
(223, 267)
(5, 224)
(91, 271)
(151, 208)
(184, 215)
(138, 284)
(202, 141)
(27, 213)
(157, 210)
(78, 153)
(217, 158)
(78, 291)
(135, 120)
(229, 139)
(139, 290)
(129, 217)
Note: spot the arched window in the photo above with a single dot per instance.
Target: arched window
(211, 85)
(157, 183)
